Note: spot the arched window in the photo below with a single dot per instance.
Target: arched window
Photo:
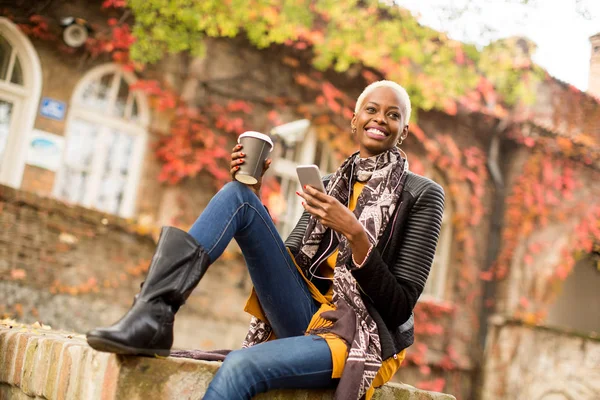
(436, 283)
(20, 88)
(303, 149)
(105, 142)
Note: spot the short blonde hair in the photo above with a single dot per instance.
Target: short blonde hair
(405, 108)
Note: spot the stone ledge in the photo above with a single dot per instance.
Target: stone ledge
(37, 362)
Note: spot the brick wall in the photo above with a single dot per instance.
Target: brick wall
(76, 269)
(52, 241)
(55, 248)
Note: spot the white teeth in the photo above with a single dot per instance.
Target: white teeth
(375, 131)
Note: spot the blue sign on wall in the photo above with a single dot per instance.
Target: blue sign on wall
(53, 109)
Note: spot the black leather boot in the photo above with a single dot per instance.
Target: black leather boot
(147, 329)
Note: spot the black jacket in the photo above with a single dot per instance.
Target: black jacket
(394, 274)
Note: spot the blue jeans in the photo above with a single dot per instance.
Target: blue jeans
(293, 360)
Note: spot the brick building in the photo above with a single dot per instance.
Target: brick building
(81, 202)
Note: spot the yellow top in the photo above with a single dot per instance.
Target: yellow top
(339, 349)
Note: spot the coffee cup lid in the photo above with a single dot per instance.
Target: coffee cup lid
(257, 135)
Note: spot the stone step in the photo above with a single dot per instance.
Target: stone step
(41, 363)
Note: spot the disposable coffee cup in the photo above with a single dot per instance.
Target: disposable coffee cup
(257, 147)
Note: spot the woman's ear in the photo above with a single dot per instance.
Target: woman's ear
(353, 121)
(404, 133)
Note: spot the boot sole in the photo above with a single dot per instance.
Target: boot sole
(108, 346)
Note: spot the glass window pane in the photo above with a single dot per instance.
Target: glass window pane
(278, 150)
(115, 171)
(79, 155)
(434, 287)
(74, 184)
(5, 52)
(81, 144)
(134, 110)
(319, 154)
(289, 152)
(121, 101)
(111, 193)
(95, 94)
(6, 110)
(119, 153)
(17, 73)
(287, 219)
(323, 157)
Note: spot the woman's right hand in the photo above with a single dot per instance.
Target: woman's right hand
(237, 158)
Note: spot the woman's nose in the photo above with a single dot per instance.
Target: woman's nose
(380, 118)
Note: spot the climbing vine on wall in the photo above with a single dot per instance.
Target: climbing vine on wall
(195, 145)
(550, 191)
(341, 36)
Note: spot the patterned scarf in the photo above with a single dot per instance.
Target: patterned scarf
(385, 176)
(351, 320)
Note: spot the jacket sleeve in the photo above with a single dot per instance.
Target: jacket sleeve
(395, 291)
(294, 240)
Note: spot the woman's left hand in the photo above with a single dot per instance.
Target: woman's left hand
(333, 214)
(330, 212)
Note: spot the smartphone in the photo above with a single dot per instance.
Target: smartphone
(310, 175)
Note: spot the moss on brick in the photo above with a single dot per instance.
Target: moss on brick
(145, 377)
(386, 393)
(12, 393)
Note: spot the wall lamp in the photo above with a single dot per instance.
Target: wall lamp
(75, 31)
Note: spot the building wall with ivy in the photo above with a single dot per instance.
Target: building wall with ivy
(61, 257)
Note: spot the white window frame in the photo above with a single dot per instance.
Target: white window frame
(25, 101)
(435, 288)
(286, 169)
(137, 129)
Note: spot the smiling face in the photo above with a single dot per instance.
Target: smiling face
(379, 122)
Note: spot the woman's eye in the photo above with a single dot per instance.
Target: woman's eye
(370, 109)
(394, 115)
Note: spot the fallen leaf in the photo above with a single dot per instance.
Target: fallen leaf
(18, 274)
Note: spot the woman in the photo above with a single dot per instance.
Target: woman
(332, 306)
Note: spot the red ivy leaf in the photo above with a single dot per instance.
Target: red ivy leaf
(529, 142)
(114, 4)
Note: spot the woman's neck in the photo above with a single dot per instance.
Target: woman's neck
(363, 156)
